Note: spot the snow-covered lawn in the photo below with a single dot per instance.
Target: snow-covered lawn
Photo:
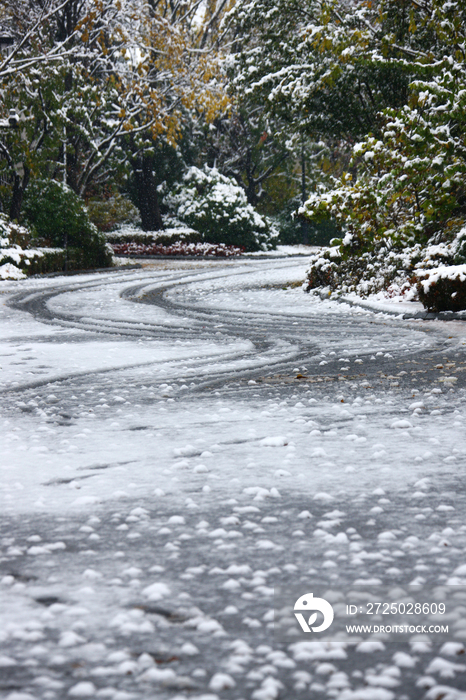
(164, 468)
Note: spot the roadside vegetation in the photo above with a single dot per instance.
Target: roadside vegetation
(247, 123)
(383, 83)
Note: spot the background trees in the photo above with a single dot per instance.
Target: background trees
(325, 67)
(101, 86)
(356, 108)
(408, 198)
(322, 72)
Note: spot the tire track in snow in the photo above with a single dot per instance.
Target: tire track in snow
(264, 355)
(277, 340)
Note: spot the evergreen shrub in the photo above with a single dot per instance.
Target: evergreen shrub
(443, 289)
(108, 214)
(167, 236)
(218, 208)
(59, 218)
(17, 259)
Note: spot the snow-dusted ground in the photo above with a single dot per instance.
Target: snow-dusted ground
(164, 467)
(287, 250)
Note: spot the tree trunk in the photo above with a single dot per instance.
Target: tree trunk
(304, 223)
(20, 182)
(72, 171)
(251, 188)
(148, 201)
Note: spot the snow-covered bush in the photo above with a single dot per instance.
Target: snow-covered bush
(390, 267)
(218, 208)
(16, 260)
(8, 271)
(58, 217)
(168, 236)
(364, 272)
(12, 234)
(401, 205)
(217, 250)
(404, 211)
(180, 240)
(108, 214)
(443, 289)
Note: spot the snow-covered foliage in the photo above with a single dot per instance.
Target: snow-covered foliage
(167, 236)
(98, 84)
(248, 145)
(402, 205)
(218, 208)
(60, 218)
(179, 239)
(386, 266)
(16, 259)
(443, 289)
(305, 60)
(8, 271)
(111, 213)
(12, 234)
(217, 250)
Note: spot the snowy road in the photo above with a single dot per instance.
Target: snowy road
(179, 440)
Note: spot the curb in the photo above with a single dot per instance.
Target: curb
(422, 315)
(68, 273)
(240, 256)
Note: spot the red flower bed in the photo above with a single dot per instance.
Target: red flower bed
(197, 249)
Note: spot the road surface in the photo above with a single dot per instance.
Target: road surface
(179, 442)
